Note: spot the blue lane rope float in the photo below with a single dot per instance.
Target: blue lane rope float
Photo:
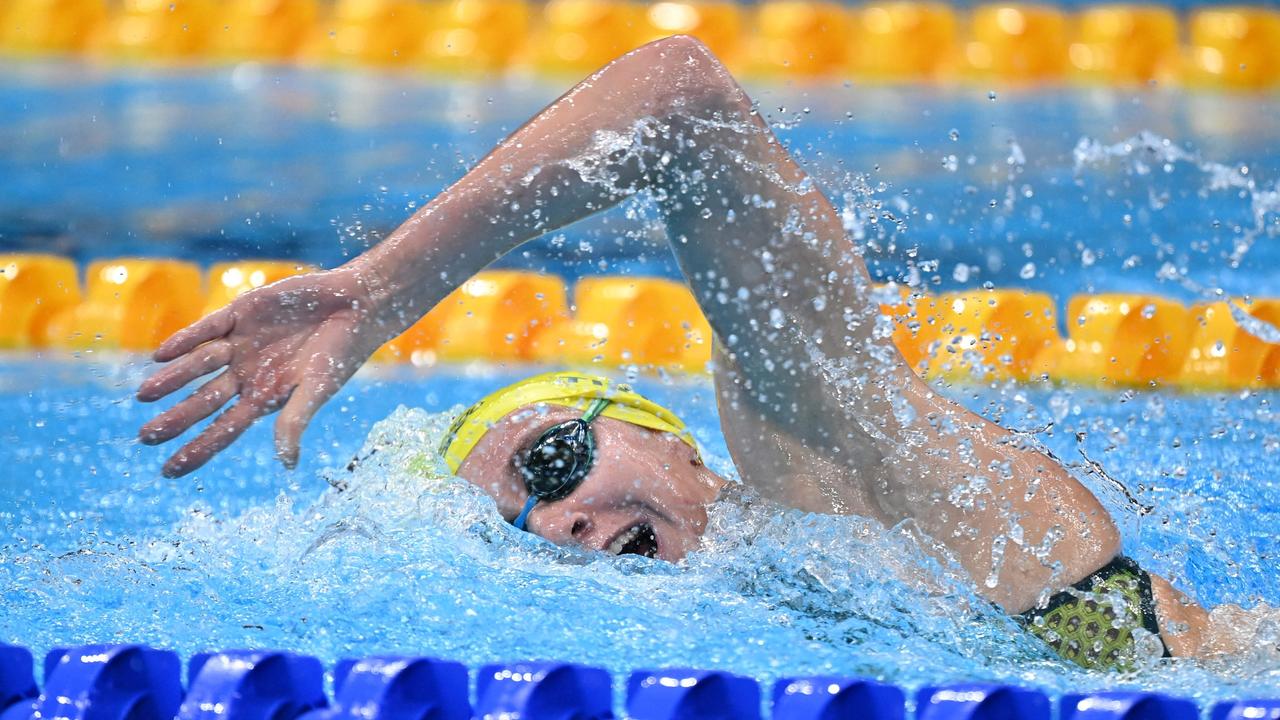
(817, 698)
(689, 693)
(981, 701)
(136, 682)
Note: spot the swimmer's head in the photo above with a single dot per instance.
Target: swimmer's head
(580, 460)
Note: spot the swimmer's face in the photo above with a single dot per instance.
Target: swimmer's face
(647, 492)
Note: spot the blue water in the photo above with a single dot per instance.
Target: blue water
(257, 161)
(1065, 191)
(97, 547)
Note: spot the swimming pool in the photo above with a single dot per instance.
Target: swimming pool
(311, 166)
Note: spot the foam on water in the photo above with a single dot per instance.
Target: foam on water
(406, 559)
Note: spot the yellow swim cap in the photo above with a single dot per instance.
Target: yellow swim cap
(567, 389)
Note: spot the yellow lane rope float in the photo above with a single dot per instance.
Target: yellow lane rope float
(1122, 44)
(508, 316)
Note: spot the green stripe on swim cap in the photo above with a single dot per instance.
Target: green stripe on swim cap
(567, 389)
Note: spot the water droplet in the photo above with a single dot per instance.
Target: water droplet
(776, 318)
(954, 135)
(1028, 271)
(991, 95)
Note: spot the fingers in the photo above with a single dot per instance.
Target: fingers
(221, 432)
(332, 361)
(296, 415)
(202, 403)
(210, 327)
(201, 361)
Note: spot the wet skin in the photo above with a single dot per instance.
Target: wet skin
(818, 408)
(647, 492)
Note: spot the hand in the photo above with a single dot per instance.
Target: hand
(288, 346)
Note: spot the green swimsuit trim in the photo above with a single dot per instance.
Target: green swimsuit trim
(1092, 623)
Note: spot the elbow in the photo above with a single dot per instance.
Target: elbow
(691, 74)
(688, 47)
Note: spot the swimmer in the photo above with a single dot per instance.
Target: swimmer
(819, 409)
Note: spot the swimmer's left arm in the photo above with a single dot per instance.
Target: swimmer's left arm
(291, 345)
(763, 250)
(767, 256)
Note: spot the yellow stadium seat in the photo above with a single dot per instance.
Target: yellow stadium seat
(1235, 48)
(719, 24)
(640, 321)
(130, 304)
(467, 36)
(53, 26)
(1125, 44)
(227, 281)
(1017, 43)
(801, 38)
(273, 30)
(903, 40)
(33, 289)
(579, 36)
(161, 29)
(376, 32)
(992, 334)
(1120, 339)
(1223, 354)
(497, 316)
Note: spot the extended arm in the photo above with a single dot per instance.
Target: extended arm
(808, 379)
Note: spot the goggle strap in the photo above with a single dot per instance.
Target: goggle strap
(593, 411)
(523, 518)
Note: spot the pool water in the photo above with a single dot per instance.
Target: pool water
(954, 186)
(99, 548)
(1062, 191)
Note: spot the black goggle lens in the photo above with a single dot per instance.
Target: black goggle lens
(559, 460)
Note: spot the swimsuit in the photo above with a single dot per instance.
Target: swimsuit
(1093, 622)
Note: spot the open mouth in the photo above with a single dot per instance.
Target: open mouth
(639, 539)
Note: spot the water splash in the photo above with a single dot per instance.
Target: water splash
(407, 559)
(1148, 152)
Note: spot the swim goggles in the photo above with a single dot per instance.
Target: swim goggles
(559, 460)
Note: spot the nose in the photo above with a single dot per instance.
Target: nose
(560, 525)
